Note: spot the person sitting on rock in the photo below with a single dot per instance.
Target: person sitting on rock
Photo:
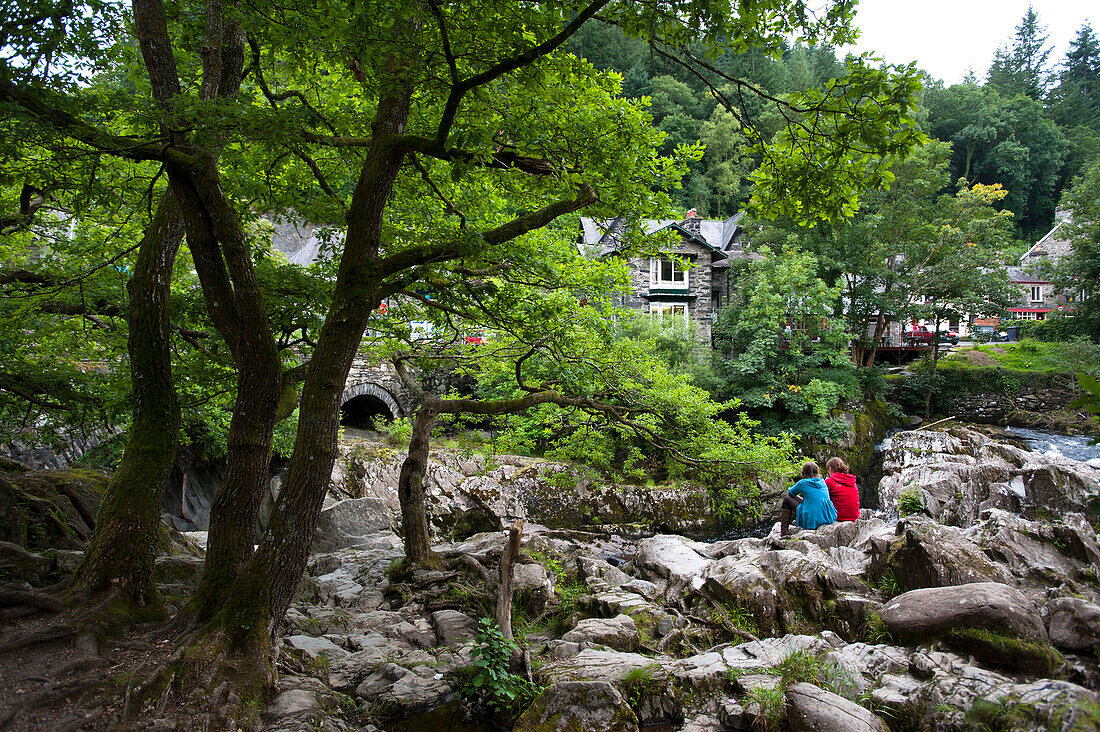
(842, 490)
(807, 501)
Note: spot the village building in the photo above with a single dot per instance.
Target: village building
(1039, 297)
(688, 281)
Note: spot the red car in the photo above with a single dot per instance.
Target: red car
(918, 335)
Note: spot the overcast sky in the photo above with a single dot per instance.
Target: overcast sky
(947, 37)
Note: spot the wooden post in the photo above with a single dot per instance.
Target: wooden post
(504, 596)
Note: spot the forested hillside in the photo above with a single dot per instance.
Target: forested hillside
(1029, 122)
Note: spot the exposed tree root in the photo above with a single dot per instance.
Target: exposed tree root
(81, 664)
(46, 635)
(39, 600)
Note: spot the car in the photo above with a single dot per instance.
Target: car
(949, 336)
(918, 335)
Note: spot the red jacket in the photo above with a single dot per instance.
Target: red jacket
(845, 495)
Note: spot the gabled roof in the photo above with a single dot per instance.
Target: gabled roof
(1052, 245)
(720, 236)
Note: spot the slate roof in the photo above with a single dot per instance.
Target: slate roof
(722, 236)
(1051, 246)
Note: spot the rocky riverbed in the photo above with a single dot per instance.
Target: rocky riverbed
(970, 601)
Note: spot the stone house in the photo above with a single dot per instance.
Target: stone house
(689, 280)
(1038, 296)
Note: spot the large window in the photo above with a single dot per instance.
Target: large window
(668, 274)
(670, 314)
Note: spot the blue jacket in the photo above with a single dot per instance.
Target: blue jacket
(817, 509)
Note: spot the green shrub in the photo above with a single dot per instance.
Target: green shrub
(772, 704)
(910, 501)
(492, 681)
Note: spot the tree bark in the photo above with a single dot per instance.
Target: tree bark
(410, 486)
(120, 556)
(266, 586)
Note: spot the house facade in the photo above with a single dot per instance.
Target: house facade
(686, 281)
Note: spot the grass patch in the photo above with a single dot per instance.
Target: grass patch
(1027, 355)
(771, 707)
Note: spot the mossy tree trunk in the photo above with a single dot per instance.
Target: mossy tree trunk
(119, 558)
(231, 291)
(410, 486)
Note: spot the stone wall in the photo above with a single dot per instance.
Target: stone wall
(1000, 408)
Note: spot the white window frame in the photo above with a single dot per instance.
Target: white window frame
(666, 273)
(1036, 293)
(669, 313)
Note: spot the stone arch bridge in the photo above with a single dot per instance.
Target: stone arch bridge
(374, 390)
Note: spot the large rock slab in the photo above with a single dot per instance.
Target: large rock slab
(1074, 624)
(578, 706)
(929, 554)
(618, 633)
(936, 611)
(812, 709)
(673, 562)
(350, 524)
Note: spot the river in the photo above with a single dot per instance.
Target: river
(1074, 447)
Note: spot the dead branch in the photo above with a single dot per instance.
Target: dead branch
(504, 594)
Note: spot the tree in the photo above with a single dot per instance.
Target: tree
(1023, 69)
(912, 252)
(439, 135)
(1080, 272)
(782, 350)
(1000, 140)
(1076, 99)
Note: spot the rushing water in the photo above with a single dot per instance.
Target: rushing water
(1075, 447)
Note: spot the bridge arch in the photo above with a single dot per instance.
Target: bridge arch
(373, 393)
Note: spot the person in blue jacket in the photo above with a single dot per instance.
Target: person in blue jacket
(807, 501)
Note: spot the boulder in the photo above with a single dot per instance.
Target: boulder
(739, 581)
(672, 562)
(1073, 623)
(618, 633)
(314, 647)
(929, 554)
(812, 709)
(50, 509)
(532, 586)
(994, 622)
(936, 611)
(453, 627)
(397, 691)
(350, 523)
(579, 706)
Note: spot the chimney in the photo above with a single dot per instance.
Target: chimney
(693, 222)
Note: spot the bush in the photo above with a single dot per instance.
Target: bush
(1056, 328)
(493, 683)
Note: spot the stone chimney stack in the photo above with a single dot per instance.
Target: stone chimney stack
(693, 222)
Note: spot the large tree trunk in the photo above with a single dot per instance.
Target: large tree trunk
(410, 487)
(233, 283)
(120, 556)
(234, 302)
(266, 586)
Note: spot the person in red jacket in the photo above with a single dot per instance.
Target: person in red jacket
(842, 490)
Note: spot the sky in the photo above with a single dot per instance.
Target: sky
(947, 37)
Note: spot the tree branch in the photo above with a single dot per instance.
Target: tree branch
(518, 226)
(458, 91)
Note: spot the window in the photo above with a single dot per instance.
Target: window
(668, 313)
(1036, 293)
(667, 274)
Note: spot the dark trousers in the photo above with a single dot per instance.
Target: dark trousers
(791, 503)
